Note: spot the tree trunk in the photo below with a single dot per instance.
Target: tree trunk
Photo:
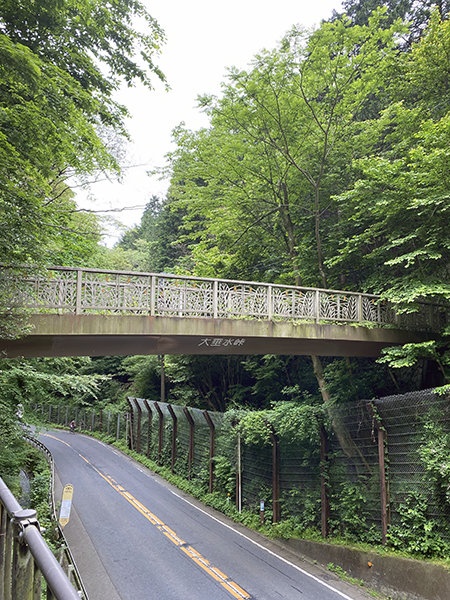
(290, 233)
(346, 442)
(318, 238)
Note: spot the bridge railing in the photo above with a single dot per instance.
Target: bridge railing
(84, 291)
(25, 557)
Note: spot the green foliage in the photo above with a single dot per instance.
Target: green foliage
(434, 453)
(156, 243)
(298, 423)
(350, 513)
(60, 65)
(224, 475)
(276, 153)
(417, 532)
(254, 428)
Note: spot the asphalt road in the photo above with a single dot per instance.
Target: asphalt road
(134, 537)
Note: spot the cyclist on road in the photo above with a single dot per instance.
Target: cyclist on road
(72, 426)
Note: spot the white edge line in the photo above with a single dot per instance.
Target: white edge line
(313, 577)
(266, 549)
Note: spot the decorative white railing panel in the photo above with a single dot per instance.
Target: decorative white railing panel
(84, 291)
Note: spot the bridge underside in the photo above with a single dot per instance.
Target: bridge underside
(107, 335)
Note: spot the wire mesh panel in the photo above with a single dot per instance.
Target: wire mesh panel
(418, 426)
(256, 475)
(354, 476)
(300, 482)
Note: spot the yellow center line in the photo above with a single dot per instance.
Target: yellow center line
(235, 590)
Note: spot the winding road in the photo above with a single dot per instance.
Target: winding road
(134, 537)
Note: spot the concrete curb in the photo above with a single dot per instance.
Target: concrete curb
(395, 577)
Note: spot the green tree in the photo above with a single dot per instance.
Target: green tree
(59, 67)
(267, 168)
(417, 14)
(396, 216)
(158, 240)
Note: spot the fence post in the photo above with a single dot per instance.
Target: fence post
(239, 475)
(381, 440)
(324, 498)
(211, 449)
(163, 378)
(100, 420)
(174, 437)
(139, 425)
(275, 475)
(191, 440)
(118, 427)
(160, 431)
(149, 427)
(130, 425)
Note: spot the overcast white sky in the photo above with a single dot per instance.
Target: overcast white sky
(203, 39)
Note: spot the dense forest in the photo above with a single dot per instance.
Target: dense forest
(325, 163)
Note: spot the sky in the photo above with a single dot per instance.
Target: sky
(203, 39)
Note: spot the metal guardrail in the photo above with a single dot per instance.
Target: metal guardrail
(65, 559)
(25, 557)
(91, 291)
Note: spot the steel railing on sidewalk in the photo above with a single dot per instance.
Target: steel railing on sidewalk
(25, 558)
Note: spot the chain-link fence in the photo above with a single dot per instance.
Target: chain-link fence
(381, 472)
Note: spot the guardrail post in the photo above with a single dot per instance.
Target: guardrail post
(78, 308)
(191, 440)
(149, 427)
(211, 449)
(6, 538)
(160, 431)
(174, 437)
(22, 570)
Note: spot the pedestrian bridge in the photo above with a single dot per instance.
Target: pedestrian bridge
(91, 312)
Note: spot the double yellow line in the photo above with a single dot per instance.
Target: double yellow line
(233, 588)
